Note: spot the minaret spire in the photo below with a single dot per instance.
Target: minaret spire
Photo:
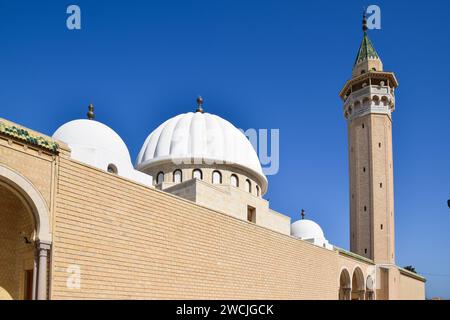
(367, 58)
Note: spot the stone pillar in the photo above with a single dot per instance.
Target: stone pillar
(362, 295)
(347, 293)
(34, 276)
(42, 280)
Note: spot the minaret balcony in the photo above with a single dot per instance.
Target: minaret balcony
(370, 99)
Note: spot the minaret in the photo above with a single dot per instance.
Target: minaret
(368, 105)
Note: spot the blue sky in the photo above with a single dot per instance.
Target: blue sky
(259, 64)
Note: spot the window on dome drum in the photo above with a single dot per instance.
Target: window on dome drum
(381, 227)
(234, 181)
(251, 214)
(216, 177)
(248, 186)
(197, 174)
(160, 178)
(177, 176)
(257, 191)
(112, 168)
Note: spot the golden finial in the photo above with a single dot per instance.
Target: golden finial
(199, 104)
(90, 113)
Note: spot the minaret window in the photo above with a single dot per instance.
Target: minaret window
(365, 208)
(248, 186)
(177, 176)
(197, 174)
(160, 178)
(363, 125)
(234, 181)
(381, 185)
(257, 191)
(216, 177)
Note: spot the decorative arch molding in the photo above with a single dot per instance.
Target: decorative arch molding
(33, 198)
(360, 277)
(345, 284)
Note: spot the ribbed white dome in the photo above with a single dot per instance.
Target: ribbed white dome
(307, 229)
(96, 144)
(201, 136)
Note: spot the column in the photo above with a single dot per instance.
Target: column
(34, 275)
(362, 295)
(347, 293)
(42, 280)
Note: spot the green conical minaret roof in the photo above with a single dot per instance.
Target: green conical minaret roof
(366, 50)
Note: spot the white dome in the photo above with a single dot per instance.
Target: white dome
(310, 231)
(200, 136)
(307, 229)
(96, 144)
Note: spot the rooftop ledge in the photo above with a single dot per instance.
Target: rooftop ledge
(412, 274)
(20, 133)
(353, 255)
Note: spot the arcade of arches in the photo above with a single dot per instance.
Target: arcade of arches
(354, 287)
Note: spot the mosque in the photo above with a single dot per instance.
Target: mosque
(189, 220)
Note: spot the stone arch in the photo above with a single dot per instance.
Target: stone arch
(376, 100)
(19, 184)
(358, 284)
(23, 190)
(345, 284)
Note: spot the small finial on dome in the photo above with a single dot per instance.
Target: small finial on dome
(364, 21)
(199, 104)
(303, 214)
(90, 113)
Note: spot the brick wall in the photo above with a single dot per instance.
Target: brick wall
(135, 242)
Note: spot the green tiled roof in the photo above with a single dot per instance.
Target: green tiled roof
(25, 135)
(366, 50)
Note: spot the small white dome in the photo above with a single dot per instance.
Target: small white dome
(310, 231)
(200, 136)
(306, 229)
(96, 144)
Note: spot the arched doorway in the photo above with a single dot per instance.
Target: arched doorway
(344, 285)
(358, 286)
(25, 238)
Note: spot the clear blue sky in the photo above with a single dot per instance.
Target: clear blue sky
(259, 64)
